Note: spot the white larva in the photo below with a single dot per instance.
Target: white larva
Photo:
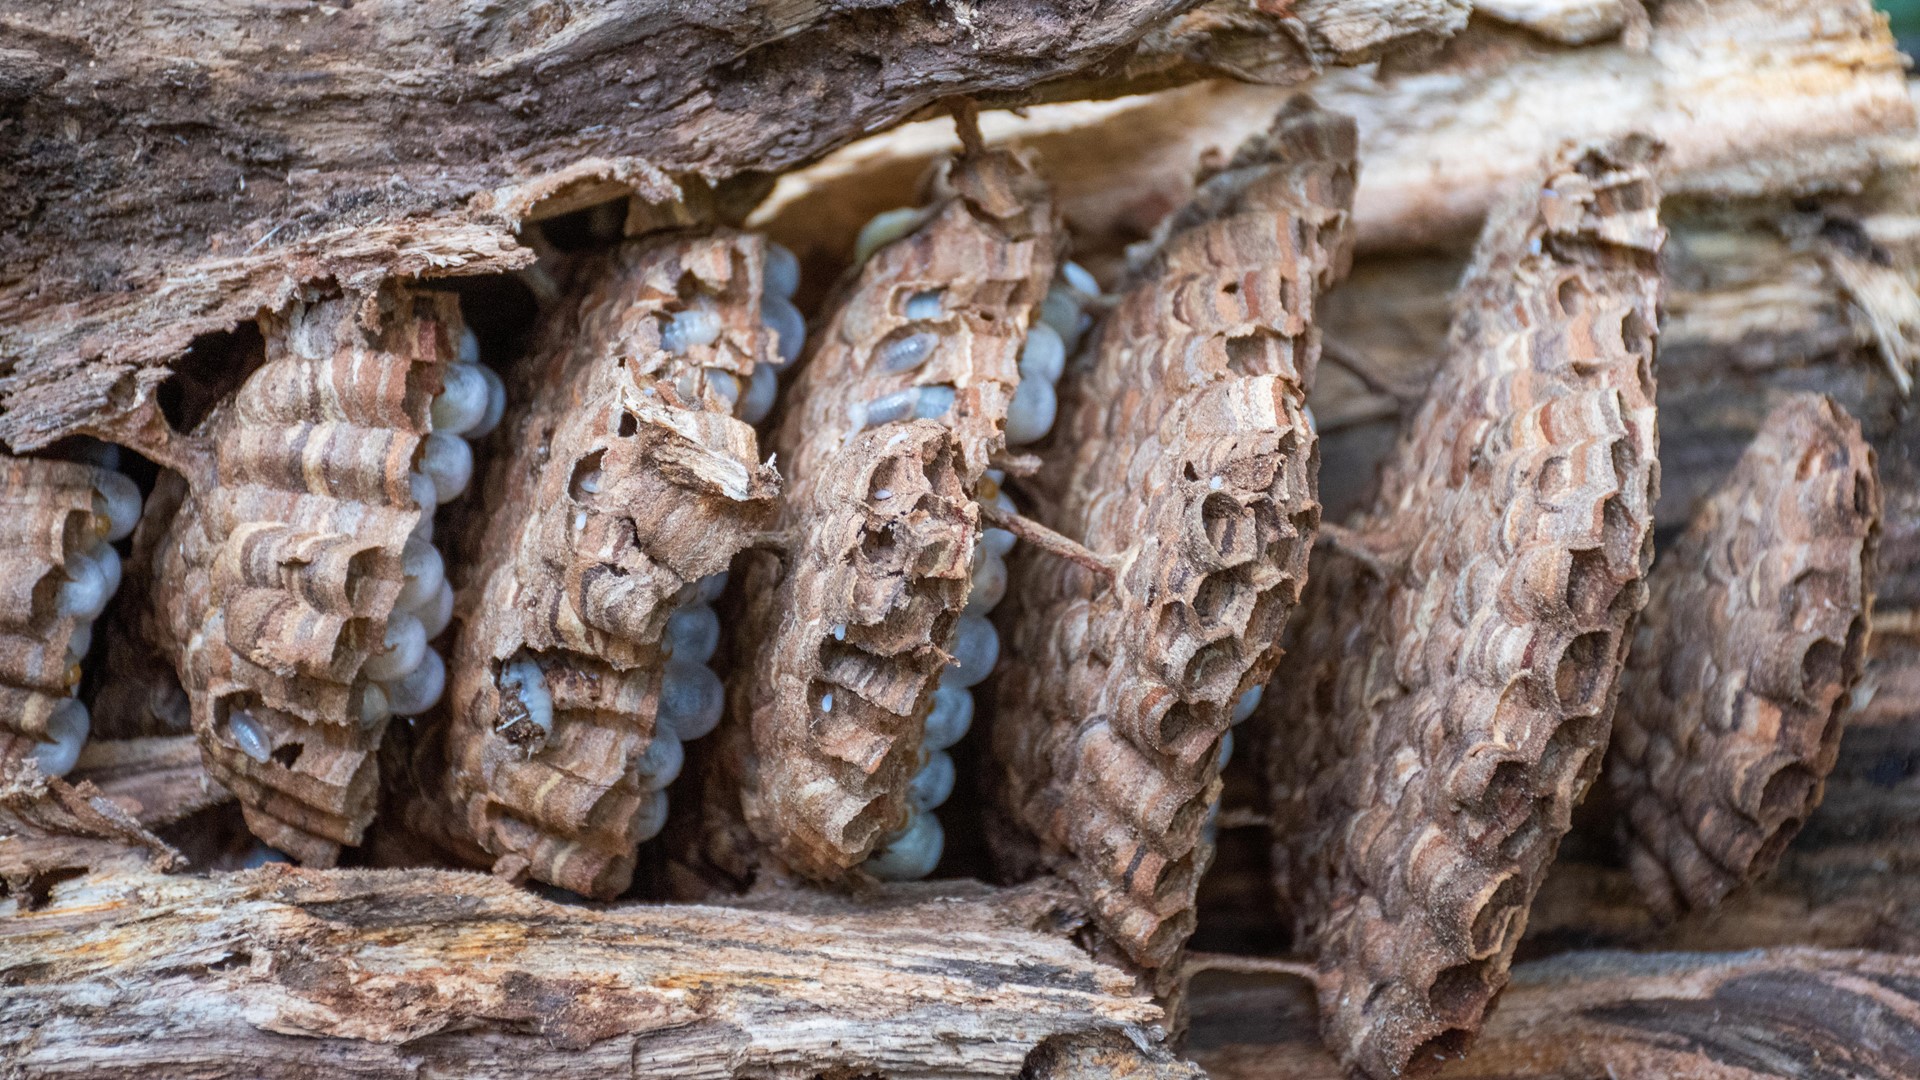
(652, 817)
(661, 764)
(108, 560)
(447, 460)
(976, 648)
(883, 229)
(691, 700)
(725, 385)
(462, 402)
(1248, 702)
(924, 305)
(120, 504)
(1031, 414)
(496, 404)
(949, 718)
(523, 686)
(690, 328)
(933, 784)
(788, 325)
(757, 402)
(913, 853)
(67, 729)
(423, 573)
(420, 689)
(375, 709)
(692, 635)
(401, 651)
(84, 593)
(249, 735)
(436, 613)
(1044, 356)
(907, 353)
(781, 275)
(989, 583)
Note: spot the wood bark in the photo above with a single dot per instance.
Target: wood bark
(170, 171)
(1705, 1016)
(283, 972)
(1751, 98)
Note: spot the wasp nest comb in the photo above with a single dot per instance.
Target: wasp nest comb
(58, 520)
(936, 356)
(1753, 637)
(1184, 460)
(1443, 705)
(295, 586)
(629, 479)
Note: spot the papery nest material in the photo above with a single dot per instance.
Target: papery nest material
(1738, 680)
(624, 486)
(1445, 700)
(885, 441)
(1184, 459)
(274, 559)
(57, 572)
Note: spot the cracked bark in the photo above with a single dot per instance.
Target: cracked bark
(201, 162)
(282, 972)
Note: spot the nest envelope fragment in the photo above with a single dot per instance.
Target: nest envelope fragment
(275, 569)
(885, 441)
(1183, 458)
(1754, 635)
(1440, 712)
(626, 484)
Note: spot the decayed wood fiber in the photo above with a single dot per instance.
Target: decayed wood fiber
(1763, 1014)
(51, 513)
(51, 830)
(202, 162)
(284, 972)
(846, 632)
(1442, 710)
(1183, 458)
(1738, 679)
(271, 568)
(1751, 97)
(622, 477)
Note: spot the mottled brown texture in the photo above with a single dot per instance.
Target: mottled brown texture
(167, 172)
(1768, 1014)
(846, 631)
(269, 570)
(292, 973)
(50, 512)
(1183, 458)
(622, 477)
(51, 830)
(1432, 728)
(1738, 679)
(139, 693)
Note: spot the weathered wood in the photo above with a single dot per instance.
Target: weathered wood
(168, 171)
(1704, 1016)
(283, 972)
(1751, 97)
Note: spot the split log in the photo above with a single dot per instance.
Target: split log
(1733, 1016)
(283, 972)
(200, 162)
(1752, 98)
(99, 817)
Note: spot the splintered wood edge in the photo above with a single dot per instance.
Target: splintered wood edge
(294, 968)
